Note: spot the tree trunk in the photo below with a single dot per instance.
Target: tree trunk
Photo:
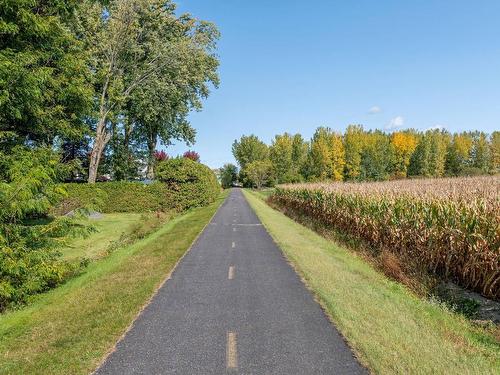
(150, 173)
(100, 141)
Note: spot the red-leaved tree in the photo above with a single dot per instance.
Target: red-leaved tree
(160, 155)
(193, 155)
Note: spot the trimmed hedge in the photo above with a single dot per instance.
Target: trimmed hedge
(184, 184)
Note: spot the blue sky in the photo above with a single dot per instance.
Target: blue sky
(389, 64)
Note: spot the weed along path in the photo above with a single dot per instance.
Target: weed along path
(233, 305)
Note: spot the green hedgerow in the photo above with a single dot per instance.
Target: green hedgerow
(182, 184)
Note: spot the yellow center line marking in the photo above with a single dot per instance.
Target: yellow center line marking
(230, 274)
(233, 245)
(231, 352)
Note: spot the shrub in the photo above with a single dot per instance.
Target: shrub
(192, 183)
(193, 155)
(160, 156)
(184, 184)
(116, 196)
(29, 260)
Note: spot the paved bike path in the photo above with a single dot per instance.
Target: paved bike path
(233, 306)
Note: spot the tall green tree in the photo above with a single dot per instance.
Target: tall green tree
(158, 109)
(299, 157)
(44, 92)
(140, 47)
(458, 155)
(495, 152)
(228, 175)
(377, 157)
(259, 173)
(326, 155)
(429, 157)
(249, 149)
(353, 145)
(280, 154)
(480, 152)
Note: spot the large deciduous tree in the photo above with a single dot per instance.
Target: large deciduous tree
(149, 65)
(353, 145)
(228, 175)
(326, 155)
(376, 157)
(403, 145)
(288, 154)
(495, 152)
(259, 173)
(248, 149)
(158, 109)
(280, 154)
(299, 156)
(44, 93)
(430, 154)
(458, 156)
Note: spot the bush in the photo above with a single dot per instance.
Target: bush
(193, 155)
(184, 184)
(29, 260)
(192, 183)
(116, 196)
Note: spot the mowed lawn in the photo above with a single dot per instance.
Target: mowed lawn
(390, 329)
(108, 229)
(70, 329)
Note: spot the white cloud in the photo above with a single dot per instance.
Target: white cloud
(395, 123)
(374, 110)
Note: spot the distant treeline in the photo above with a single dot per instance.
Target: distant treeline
(360, 155)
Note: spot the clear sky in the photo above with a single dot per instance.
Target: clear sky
(295, 65)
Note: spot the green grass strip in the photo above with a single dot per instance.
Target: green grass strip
(70, 329)
(391, 330)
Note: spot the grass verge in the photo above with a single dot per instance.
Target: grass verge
(70, 329)
(109, 229)
(390, 329)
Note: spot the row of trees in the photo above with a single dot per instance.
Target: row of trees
(102, 82)
(359, 155)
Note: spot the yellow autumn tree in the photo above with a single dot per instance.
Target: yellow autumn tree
(327, 155)
(354, 139)
(403, 144)
(280, 154)
(495, 152)
(458, 156)
(337, 157)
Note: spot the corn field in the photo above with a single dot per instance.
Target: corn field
(450, 225)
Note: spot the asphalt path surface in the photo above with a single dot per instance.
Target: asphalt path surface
(233, 306)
